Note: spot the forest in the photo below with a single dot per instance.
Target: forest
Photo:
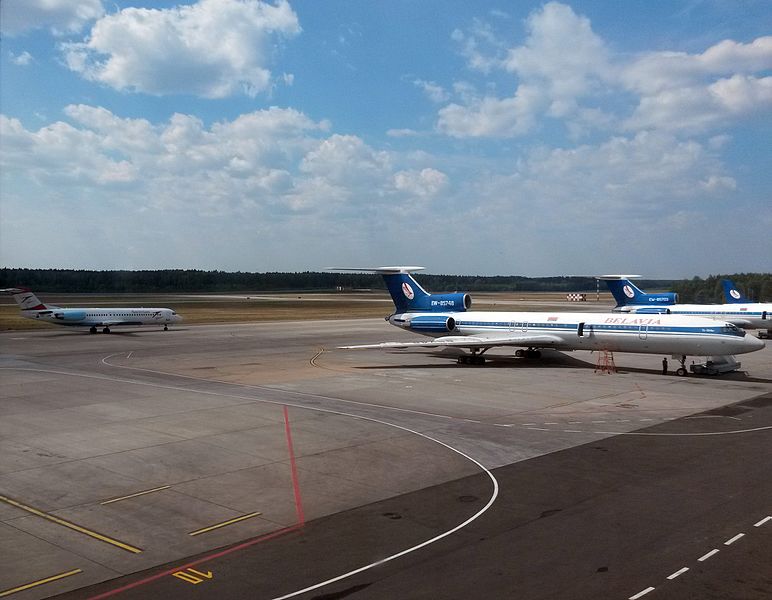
(757, 286)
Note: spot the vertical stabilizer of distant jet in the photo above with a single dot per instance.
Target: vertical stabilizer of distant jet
(26, 299)
(732, 294)
(626, 293)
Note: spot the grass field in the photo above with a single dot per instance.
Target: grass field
(222, 308)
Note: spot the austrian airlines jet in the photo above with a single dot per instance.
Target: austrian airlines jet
(32, 308)
(448, 321)
(630, 299)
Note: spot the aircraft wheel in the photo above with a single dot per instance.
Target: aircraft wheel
(681, 372)
(92, 330)
(520, 353)
(478, 360)
(106, 330)
(166, 328)
(537, 353)
(463, 359)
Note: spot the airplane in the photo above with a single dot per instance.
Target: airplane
(448, 320)
(630, 299)
(32, 308)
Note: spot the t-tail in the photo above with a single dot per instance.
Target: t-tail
(409, 296)
(732, 294)
(27, 300)
(626, 293)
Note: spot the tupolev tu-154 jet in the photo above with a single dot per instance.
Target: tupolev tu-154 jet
(631, 299)
(448, 320)
(33, 308)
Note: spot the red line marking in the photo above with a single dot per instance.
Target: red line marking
(280, 532)
(293, 465)
(194, 563)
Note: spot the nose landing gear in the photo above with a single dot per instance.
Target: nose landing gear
(681, 371)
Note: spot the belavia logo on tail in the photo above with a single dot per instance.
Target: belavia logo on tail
(408, 291)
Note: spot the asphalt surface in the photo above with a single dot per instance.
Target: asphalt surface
(607, 519)
(528, 479)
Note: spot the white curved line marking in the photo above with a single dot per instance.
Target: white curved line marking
(436, 538)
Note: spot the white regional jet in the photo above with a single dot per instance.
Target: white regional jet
(630, 299)
(448, 321)
(32, 308)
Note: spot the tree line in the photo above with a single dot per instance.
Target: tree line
(757, 286)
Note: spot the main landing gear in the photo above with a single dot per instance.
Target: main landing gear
(681, 371)
(166, 328)
(92, 330)
(529, 353)
(475, 358)
(106, 330)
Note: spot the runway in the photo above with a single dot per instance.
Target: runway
(257, 460)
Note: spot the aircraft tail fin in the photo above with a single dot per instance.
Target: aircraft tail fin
(732, 294)
(26, 299)
(626, 293)
(408, 295)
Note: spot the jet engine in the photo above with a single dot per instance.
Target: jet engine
(432, 323)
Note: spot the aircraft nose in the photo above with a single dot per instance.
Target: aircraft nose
(754, 342)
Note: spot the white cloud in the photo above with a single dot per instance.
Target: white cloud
(60, 16)
(402, 133)
(434, 92)
(561, 62)
(24, 59)
(562, 54)
(214, 48)
(564, 71)
(698, 92)
(273, 160)
(424, 183)
(492, 117)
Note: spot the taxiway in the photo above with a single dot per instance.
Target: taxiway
(256, 460)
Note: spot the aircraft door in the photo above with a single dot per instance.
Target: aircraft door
(643, 332)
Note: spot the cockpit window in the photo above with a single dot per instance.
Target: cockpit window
(734, 330)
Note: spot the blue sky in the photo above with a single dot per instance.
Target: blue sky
(560, 138)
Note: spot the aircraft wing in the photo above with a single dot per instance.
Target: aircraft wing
(470, 341)
(115, 322)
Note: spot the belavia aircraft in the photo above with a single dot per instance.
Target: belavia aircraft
(32, 308)
(630, 299)
(448, 320)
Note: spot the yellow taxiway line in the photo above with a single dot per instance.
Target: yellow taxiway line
(158, 489)
(33, 584)
(70, 525)
(224, 523)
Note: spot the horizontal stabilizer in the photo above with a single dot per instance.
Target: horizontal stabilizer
(378, 270)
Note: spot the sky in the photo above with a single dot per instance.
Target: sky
(487, 137)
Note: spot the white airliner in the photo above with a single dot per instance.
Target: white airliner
(32, 308)
(630, 299)
(447, 319)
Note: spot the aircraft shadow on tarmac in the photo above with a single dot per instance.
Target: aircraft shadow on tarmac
(99, 334)
(551, 359)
